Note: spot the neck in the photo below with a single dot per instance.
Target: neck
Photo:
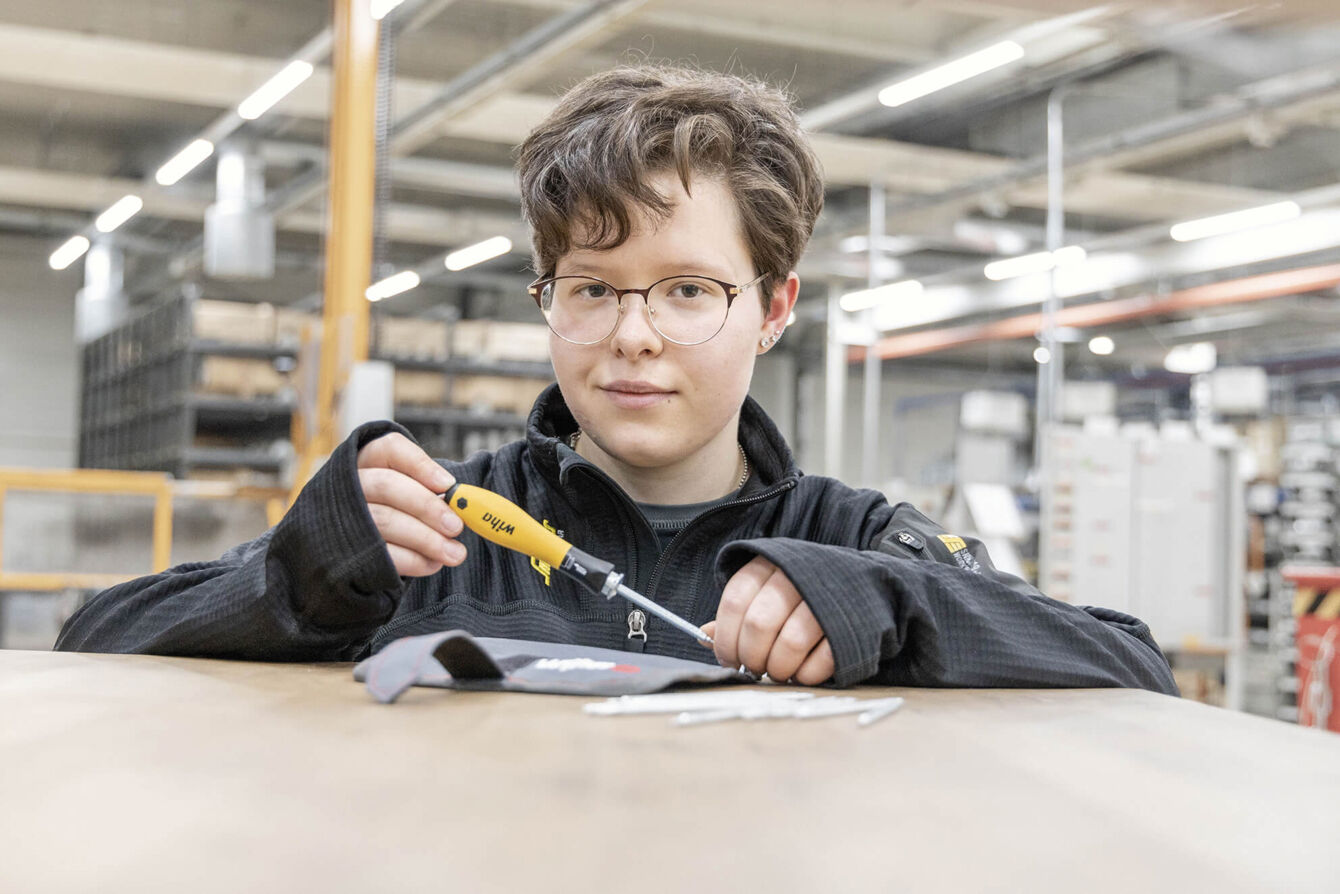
(709, 473)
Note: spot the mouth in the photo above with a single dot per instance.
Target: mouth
(635, 395)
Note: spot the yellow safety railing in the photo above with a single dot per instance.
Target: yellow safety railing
(158, 485)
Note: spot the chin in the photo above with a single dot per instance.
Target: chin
(641, 445)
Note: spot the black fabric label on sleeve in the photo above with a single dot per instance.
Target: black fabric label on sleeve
(907, 538)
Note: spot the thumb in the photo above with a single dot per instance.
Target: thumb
(710, 628)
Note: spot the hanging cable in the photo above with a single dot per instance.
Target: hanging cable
(386, 68)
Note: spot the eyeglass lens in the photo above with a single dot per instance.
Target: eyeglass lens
(683, 309)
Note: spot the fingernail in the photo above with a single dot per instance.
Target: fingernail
(452, 524)
(454, 551)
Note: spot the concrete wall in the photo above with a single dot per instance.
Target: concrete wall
(39, 366)
(39, 401)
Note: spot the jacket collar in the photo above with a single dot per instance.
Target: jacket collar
(551, 423)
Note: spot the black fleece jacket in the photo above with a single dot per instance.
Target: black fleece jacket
(900, 600)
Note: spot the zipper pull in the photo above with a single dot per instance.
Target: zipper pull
(637, 625)
(637, 630)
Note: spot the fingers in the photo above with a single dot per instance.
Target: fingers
(395, 451)
(409, 563)
(397, 490)
(763, 621)
(796, 640)
(407, 532)
(735, 599)
(818, 667)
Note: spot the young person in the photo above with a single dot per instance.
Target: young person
(669, 208)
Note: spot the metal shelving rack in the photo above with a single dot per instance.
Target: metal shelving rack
(141, 410)
(456, 432)
(1308, 536)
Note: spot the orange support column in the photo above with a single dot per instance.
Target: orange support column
(344, 338)
(163, 526)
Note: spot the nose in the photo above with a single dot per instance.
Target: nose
(633, 333)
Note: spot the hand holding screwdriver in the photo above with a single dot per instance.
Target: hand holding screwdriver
(401, 484)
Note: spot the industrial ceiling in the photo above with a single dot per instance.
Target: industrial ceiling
(1171, 112)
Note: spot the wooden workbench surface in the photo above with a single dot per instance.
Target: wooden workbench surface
(146, 774)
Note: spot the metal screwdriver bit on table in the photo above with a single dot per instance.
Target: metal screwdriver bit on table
(499, 520)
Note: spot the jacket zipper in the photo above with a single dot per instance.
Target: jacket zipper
(637, 630)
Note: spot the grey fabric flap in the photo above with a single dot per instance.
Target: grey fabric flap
(455, 659)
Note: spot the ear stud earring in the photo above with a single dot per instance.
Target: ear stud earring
(769, 340)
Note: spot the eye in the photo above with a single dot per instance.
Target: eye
(688, 290)
(594, 290)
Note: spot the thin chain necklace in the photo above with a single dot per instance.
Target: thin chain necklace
(744, 457)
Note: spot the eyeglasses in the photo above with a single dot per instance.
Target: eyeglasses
(686, 309)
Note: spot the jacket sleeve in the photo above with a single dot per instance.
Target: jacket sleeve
(916, 609)
(313, 588)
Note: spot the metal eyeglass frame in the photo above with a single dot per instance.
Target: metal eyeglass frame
(732, 292)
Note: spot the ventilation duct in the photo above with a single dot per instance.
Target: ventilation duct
(239, 231)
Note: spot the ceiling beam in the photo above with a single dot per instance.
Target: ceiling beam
(927, 170)
(772, 26)
(518, 60)
(103, 65)
(405, 223)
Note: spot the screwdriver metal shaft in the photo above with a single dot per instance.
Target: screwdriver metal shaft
(664, 614)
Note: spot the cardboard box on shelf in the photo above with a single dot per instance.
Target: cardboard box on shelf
(239, 377)
(236, 322)
(527, 342)
(290, 324)
(496, 340)
(506, 394)
(420, 388)
(416, 337)
(469, 338)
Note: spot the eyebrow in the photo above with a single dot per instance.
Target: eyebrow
(674, 268)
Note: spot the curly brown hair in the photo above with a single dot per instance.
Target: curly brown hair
(591, 160)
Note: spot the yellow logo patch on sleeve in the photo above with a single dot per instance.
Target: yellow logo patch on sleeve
(952, 543)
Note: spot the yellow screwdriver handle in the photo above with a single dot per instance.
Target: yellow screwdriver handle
(505, 523)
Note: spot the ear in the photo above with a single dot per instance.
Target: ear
(784, 296)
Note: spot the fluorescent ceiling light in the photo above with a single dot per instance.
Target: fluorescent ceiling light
(185, 161)
(1102, 345)
(478, 253)
(951, 73)
(122, 210)
(392, 285)
(1192, 359)
(1041, 354)
(72, 250)
(275, 89)
(1038, 262)
(1278, 212)
(380, 9)
(868, 298)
